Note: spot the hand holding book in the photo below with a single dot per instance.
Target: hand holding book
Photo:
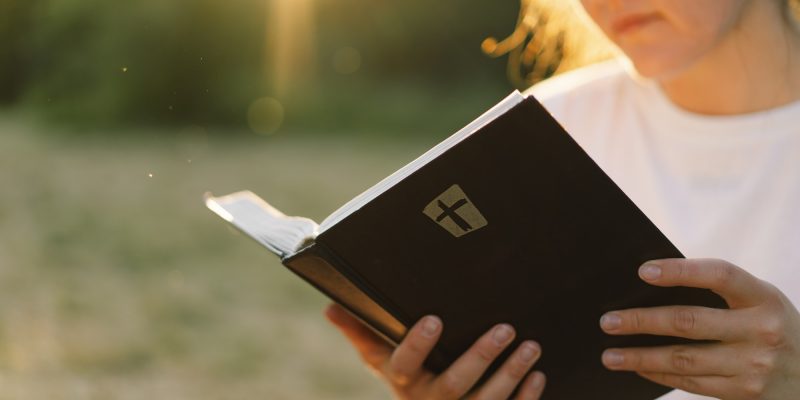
(506, 221)
(752, 343)
(752, 350)
(402, 367)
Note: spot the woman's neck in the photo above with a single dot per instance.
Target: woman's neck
(755, 67)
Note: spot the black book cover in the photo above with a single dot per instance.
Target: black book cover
(514, 224)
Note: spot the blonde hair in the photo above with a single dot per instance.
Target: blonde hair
(553, 36)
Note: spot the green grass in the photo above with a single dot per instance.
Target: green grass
(118, 285)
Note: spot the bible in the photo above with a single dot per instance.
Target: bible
(507, 220)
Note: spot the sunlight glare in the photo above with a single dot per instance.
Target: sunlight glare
(290, 43)
(215, 207)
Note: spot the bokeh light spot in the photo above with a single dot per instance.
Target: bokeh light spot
(265, 115)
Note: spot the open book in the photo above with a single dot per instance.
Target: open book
(507, 220)
(286, 235)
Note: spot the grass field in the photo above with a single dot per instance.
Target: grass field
(117, 283)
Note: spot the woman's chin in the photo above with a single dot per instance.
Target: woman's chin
(656, 68)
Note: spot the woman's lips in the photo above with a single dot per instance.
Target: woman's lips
(629, 23)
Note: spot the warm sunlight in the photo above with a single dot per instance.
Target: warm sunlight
(290, 43)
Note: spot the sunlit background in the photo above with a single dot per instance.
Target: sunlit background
(115, 118)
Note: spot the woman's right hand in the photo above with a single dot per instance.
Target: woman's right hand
(402, 368)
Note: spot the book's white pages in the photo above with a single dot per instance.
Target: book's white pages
(285, 235)
(281, 234)
(368, 195)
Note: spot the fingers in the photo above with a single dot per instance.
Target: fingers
(513, 370)
(679, 321)
(713, 386)
(404, 369)
(372, 349)
(696, 360)
(532, 388)
(737, 287)
(405, 363)
(457, 380)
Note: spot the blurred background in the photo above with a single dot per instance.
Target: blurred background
(115, 118)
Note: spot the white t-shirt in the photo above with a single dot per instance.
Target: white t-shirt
(718, 186)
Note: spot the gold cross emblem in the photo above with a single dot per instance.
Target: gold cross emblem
(454, 212)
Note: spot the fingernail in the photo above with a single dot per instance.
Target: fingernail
(650, 272)
(528, 351)
(430, 326)
(610, 321)
(502, 334)
(613, 358)
(538, 380)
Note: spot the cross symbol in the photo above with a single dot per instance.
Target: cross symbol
(451, 212)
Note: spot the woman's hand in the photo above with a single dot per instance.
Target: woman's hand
(756, 353)
(402, 368)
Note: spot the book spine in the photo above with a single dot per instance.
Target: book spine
(317, 266)
(329, 273)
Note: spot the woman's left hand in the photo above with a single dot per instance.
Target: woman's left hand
(756, 348)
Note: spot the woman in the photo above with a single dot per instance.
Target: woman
(702, 131)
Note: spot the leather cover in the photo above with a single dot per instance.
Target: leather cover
(561, 246)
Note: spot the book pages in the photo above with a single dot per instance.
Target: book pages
(281, 234)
